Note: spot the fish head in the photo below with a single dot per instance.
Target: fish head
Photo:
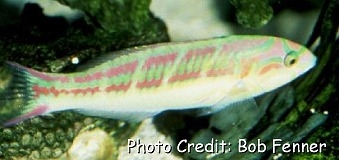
(281, 64)
(297, 58)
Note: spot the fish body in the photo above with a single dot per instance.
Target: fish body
(139, 82)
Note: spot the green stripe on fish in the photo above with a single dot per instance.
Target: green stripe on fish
(146, 80)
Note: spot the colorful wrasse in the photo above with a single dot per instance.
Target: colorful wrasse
(140, 82)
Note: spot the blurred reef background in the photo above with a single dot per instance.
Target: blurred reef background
(46, 35)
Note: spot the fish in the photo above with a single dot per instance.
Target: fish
(140, 82)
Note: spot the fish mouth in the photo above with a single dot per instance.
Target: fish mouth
(314, 60)
(312, 64)
(308, 62)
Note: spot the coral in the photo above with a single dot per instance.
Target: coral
(51, 136)
(148, 134)
(92, 145)
(33, 42)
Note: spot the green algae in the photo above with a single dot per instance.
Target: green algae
(253, 13)
(85, 38)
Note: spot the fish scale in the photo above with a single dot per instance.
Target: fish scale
(149, 79)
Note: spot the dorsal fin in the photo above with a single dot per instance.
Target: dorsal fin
(101, 59)
(110, 56)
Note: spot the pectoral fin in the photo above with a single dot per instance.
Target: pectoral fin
(217, 108)
(240, 91)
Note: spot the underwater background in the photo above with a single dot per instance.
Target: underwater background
(48, 35)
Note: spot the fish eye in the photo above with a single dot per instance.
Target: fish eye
(290, 59)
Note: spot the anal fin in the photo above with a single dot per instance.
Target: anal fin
(135, 116)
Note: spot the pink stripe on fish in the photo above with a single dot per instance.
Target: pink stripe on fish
(152, 83)
(52, 91)
(37, 111)
(111, 72)
(160, 60)
(122, 69)
(156, 61)
(47, 77)
(199, 52)
(270, 67)
(40, 75)
(219, 72)
(238, 46)
(246, 66)
(192, 54)
(226, 68)
(120, 87)
(88, 78)
(84, 91)
(184, 76)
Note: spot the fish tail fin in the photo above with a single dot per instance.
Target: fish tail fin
(17, 99)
